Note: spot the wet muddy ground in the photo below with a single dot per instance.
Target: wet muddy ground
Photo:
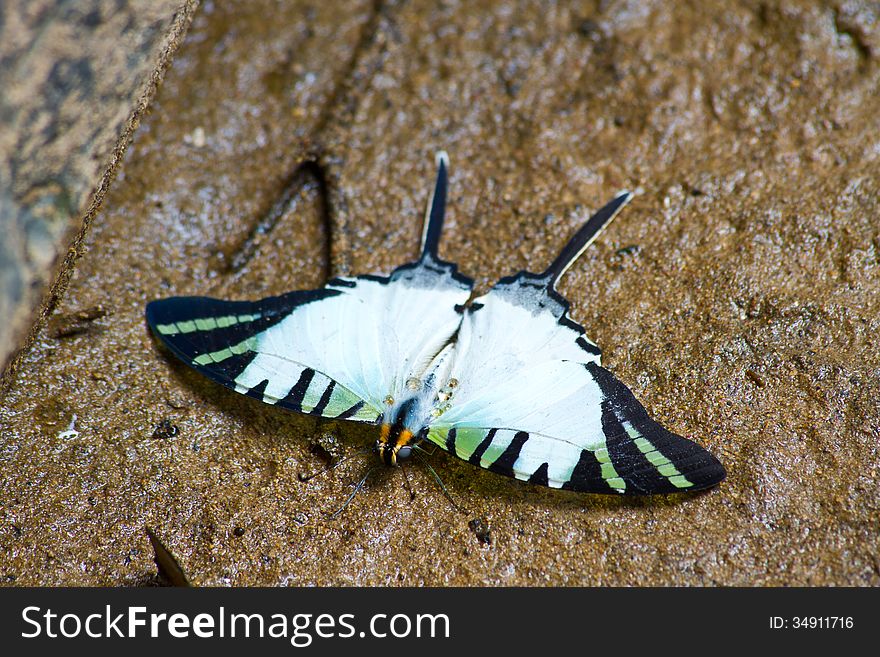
(737, 295)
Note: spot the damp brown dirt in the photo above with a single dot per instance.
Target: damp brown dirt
(737, 295)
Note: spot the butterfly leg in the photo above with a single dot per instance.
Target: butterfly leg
(425, 451)
(412, 494)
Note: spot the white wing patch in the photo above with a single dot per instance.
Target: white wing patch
(370, 338)
(532, 402)
(522, 369)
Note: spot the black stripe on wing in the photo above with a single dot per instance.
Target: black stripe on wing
(504, 463)
(587, 475)
(192, 327)
(649, 458)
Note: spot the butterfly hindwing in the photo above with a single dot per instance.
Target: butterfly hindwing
(648, 457)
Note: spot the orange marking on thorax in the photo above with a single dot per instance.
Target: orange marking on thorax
(403, 439)
(384, 433)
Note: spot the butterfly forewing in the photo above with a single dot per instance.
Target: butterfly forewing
(531, 401)
(336, 352)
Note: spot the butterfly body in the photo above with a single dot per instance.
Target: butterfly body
(506, 381)
(406, 421)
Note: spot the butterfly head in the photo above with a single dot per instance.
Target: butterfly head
(396, 445)
(399, 433)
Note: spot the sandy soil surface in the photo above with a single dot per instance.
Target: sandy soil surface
(737, 295)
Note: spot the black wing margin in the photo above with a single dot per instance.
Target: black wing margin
(194, 326)
(647, 457)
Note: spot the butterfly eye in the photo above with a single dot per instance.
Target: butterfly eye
(404, 453)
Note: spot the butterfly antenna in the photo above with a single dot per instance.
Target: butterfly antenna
(356, 490)
(412, 494)
(440, 483)
(584, 237)
(304, 477)
(436, 208)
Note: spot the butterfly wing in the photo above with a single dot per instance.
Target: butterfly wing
(335, 352)
(530, 400)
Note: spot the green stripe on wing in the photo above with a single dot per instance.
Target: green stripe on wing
(222, 339)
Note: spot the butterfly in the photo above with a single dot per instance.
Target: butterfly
(506, 381)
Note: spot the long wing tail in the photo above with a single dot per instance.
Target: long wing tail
(584, 237)
(436, 209)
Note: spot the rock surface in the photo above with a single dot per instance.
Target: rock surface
(75, 78)
(737, 295)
